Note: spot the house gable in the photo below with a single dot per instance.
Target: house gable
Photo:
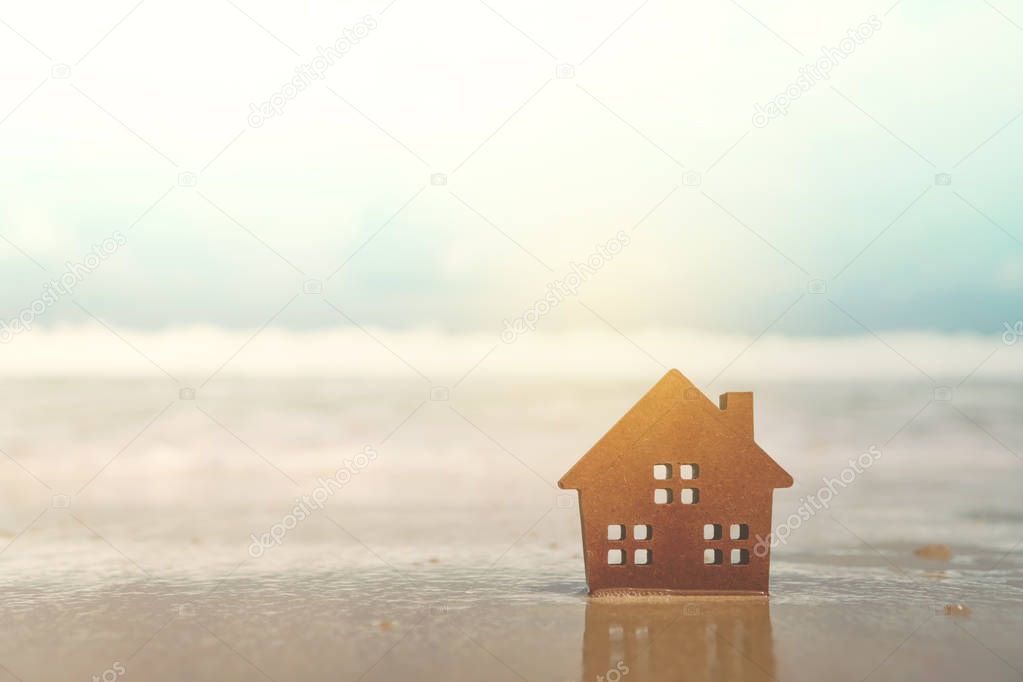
(674, 410)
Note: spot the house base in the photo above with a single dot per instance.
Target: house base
(658, 594)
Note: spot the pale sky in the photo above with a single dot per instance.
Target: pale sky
(109, 110)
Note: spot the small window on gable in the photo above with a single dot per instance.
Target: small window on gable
(739, 556)
(641, 532)
(641, 557)
(712, 556)
(662, 472)
(688, 472)
(738, 531)
(616, 532)
(662, 496)
(615, 557)
(712, 531)
(690, 495)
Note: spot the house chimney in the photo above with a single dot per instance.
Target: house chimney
(738, 409)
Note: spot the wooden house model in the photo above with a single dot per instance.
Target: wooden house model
(676, 497)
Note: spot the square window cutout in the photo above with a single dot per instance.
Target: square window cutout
(662, 496)
(738, 531)
(662, 472)
(689, 472)
(690, 495)
(615, 557)
(616, 532)
(641, 557)
(739, 556)
(712, 531)
(712, 556)
(641, 532)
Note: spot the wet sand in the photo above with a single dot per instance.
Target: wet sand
(330, 610)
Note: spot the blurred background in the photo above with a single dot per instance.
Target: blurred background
(246, 244)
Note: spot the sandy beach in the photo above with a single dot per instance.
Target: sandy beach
(449, 554)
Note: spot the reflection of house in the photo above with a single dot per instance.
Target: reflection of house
(674, 496)
(700, 638)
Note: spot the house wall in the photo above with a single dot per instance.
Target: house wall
(676, 545)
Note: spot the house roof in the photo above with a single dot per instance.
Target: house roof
(674, 391)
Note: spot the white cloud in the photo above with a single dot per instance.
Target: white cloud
(193, 354)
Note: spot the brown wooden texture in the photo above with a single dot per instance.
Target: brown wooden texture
(717, 476)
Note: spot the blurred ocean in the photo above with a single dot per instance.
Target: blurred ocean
(129, 511)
